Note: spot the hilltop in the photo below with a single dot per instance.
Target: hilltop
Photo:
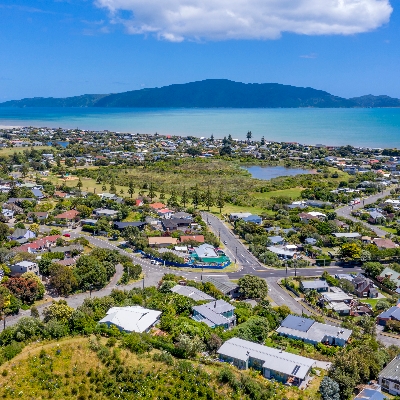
(212, 93)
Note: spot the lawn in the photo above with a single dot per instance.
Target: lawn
(11, 150)
(293, 193)
(389, 230)
(371, 302)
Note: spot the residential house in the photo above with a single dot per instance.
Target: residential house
(136, 224)
(319, 285)
(131, 318)
(372, 392)
(255, 219)
(192, 293)
(157, 206)
(67, 216)
(274, 363)
(38, 245)
(235, 216)
(165, 213)
(22, 235)
(347, 235)
(376, 217)
(383, 244)
(38, 194)
(392, 314)
(67, 250)
(364, 287)
(104, 212)
(39, 215)
(24, 266)
(391, 274)
(174, 224)
(162, 241)
(196, 238)
(389, 377)
(276, 240)
(310, 331)
(223, 284)
(214, 314)
(282, 252)
(336, 295)
(318, 203)
(312, 215)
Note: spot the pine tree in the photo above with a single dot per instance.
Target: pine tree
(173, 200)
(212, 138)
(208, 199)
(162, 194)
(79, 184)
(220, 200)
(131, 189)
(185, 197)
(113, 189)
(196, 196)
(249, 135)
(152, 193)
(262, 141)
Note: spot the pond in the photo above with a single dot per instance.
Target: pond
(266, 173)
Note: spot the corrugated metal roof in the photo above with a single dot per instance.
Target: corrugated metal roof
(274, 359)
(191, 292)
(316, 284)
(131, 319)
(223, 284)
(211, 315)
(392, 370)
(298, 323)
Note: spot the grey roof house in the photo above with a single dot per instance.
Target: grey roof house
(191, 292)
(215, 313)
(318, 284)
(389, 377)
(275, 364)
(310, 331)
(224, 285)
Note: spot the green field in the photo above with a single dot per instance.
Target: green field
(11, 150)
(292, 193)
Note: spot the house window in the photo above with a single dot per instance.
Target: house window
(397, 386)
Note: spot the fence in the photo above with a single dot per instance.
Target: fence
(178, 265)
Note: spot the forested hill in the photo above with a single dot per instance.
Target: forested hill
(213, 93)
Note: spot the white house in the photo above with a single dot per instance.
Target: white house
(131, 319)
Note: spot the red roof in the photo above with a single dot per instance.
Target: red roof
(37, 244)
(139, 202)
(71, 214)
(157, 206)
(197, 238)
(60, 194)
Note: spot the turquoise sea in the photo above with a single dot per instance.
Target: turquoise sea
(378, 127)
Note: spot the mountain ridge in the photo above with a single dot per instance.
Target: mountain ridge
(212, 93)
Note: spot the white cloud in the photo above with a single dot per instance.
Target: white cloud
(177, 20)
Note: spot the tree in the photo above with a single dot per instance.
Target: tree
(59, 311)
(220, 200)
(255, 329)
(225, 151)
(373, 268)
(329, 389)
(26, 290)
(79, 184)
(346, 285)
(41, 288)
(249, 135)
(196, 196)
(113, 189)
(173, 200)
(262, 142)
(382, 305)
(253, 287)
(190, 346)
(35, 312)
(152, 192)
(208, 198)
(185, 197)
(5, 301)
(131, 189)
(351, 251)
(90, 273)
(84, 211)
(4, 231)
(62, 278)
(35, 228)
(193, 151)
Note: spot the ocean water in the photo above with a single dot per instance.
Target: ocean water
(267, 173)
(378, 127)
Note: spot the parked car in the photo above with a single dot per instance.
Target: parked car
(67, 235)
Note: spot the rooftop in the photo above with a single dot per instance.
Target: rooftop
(277, 360)
(191, 292)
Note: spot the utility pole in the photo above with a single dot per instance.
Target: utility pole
(143, 281)
(219, 234)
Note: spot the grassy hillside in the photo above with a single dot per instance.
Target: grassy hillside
(82, 368)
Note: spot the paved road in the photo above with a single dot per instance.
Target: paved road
(346, 211)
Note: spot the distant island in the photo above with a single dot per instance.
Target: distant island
(213, 93)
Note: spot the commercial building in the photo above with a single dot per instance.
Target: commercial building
(275, 364)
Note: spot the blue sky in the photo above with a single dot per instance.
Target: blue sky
(64, 48)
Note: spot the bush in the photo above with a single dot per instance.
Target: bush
(11, 350)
